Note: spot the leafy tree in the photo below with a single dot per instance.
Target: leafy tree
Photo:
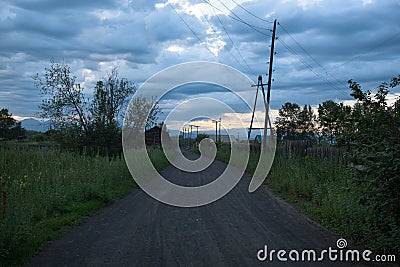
(9, 127)
(373, 136)
(64, 102)
(306, 124)
(94, 125)
(332, 118)
(136, 120)
(294, 122)
(110, 96)
(287, 121)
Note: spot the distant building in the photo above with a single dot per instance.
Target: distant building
(259, 137)
(153, 136)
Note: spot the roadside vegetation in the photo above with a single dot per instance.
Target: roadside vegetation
(50, 181)
(47, 189)
(342, 167)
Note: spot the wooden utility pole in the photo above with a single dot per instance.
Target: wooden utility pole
(197, 130)
(271, 61)
(219, 130)
(260, 84)
(216, 130)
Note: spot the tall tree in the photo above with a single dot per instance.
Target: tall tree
(333, 118)
(288, 121)
(306, 123)
(63, 100)
(9, 127)
(110, 98)
(375, 146)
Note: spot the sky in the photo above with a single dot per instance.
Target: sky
(320, 44)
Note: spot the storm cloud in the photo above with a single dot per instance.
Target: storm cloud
(320, 45)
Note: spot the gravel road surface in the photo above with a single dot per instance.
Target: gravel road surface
(140, 231)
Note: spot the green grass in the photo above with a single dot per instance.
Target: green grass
(322, 188)
(49, 190)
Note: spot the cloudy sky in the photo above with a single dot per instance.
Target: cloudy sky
(321, 44)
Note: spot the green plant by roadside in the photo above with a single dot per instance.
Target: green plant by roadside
(48, 189)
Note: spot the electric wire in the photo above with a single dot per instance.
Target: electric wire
(390, 39)
(251, 13)
(234, 46)
(193, 32)
(308, 54)
(237, 18)
(326, 81)
(216, 33)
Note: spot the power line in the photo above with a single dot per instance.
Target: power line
(237, 18)
(308, 54)
(251, 13)
(392, 38)
(212, 28)
(310, 67)
(234, 46)
(193, 32)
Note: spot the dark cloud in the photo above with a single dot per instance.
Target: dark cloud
(339, 40)
(45, 6)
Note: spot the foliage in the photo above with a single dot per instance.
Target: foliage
(323, 189)
(332, 118)
(201, 136)
(84, 125)
(9, 127)
(295, 123)
(64, 102)
(373, 135)
(49, 189)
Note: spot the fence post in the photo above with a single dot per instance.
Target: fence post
(4, 198)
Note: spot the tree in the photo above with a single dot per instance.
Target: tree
(64, 102)
(110, 97)
(295, 123)
(332, 118)
(373, 136)
(287, 121)
(9, 127)
(83, 124)
(306, 124)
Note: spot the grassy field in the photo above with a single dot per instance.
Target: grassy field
(322, 188)
(46, 190)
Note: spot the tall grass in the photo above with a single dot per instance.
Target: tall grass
(48, 189)
(323, 189)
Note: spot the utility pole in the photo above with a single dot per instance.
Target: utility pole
(260, 84)
(219, 131)
(197, 130)
(271, 61)
(191, 132)
(197, 134)
(216, 129)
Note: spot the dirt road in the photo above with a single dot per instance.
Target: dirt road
(140, 231)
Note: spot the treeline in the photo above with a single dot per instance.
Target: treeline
(9, 127)
(336, 123)
(82, 124)
(369, 133)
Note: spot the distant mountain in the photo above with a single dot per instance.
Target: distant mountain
(35, 125)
